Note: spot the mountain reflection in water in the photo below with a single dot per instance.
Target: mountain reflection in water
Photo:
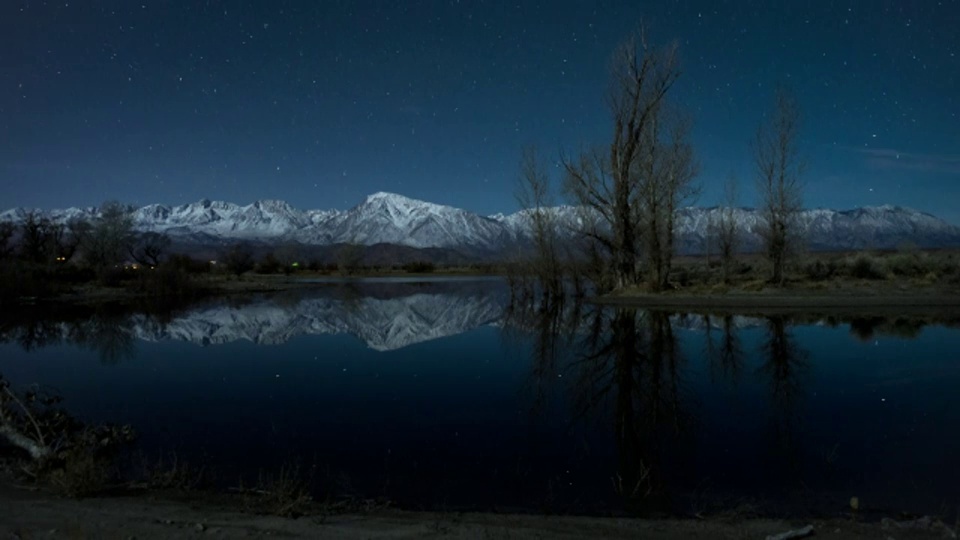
(445, 394)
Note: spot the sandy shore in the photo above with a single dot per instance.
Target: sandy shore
(26, 514)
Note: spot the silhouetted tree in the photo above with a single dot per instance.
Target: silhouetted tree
(148, 248)
(110, 236)
(239, 259)
(629, 192)
(7, 230)
(35, 239)
(534, 196)
(779, 168)
(725, 229)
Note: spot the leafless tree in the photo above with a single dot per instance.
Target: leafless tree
(779, 168)
(7, 229)
(110, 236)
(609, 185)
(239, 259)
(725, 228)
(149, 248)
(668, 182)
(534, 196)
(35, 238)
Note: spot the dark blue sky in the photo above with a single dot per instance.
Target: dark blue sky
(321, 103)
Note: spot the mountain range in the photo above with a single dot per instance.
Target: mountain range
(420, 229)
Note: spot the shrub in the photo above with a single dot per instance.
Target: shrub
(419, 267)
(268, 265)
(167, 281)
(819, 270)
(904, 264)
(866, 267)
(188, 264)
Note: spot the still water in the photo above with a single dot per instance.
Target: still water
(444, 395)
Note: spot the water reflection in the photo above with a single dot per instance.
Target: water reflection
(784, 369)
(109, 333)
(385, 316)
(725, 354)
(630, 371)
(624, 373)
(586, 408)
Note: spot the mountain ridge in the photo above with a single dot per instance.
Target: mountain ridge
(394, 219)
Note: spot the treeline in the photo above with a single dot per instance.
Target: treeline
(42, 258)
(629, 188)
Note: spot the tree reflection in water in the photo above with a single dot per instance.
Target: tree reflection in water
(784, 367)
(111, 335)
(627, 374)
(725, 355)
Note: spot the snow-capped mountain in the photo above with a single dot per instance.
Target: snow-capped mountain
(386, 218)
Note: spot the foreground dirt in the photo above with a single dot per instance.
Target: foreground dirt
(34, 515)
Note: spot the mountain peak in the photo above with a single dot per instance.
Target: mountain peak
(391, 198)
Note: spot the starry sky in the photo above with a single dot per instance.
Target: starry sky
(320, 103)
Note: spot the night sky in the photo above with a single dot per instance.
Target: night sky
(320, 103)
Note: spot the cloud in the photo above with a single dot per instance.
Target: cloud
(891, 159)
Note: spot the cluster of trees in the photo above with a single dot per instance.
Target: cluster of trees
(106, 241)
(630, 189)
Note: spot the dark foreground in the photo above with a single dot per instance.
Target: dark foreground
(26, 514)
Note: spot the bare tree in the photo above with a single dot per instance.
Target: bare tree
(726, 230)
(35, 238)
(7, 229)
(608, 185)
(149, 248)
(76, 234)
(110, 236)
(779, 168)
(534, 196)
(670, 168)
(239, 259)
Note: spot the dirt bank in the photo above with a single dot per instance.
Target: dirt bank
(26, 514)
(853, 299)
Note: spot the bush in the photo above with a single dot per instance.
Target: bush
(188, 264)
(419, 267)
(167, 281)
(867, 267)
(268, 265)
(905, 265)
(819, 270)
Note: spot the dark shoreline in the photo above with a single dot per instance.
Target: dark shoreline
(791, 303)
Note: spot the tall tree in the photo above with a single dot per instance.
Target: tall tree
(725, 229)
(110, 236)
(534, 196)
(149, 248)
(779, 168)
(35, 238)
(7, 230)
(621, 188)
(668, 182)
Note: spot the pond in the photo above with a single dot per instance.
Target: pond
(444, 395)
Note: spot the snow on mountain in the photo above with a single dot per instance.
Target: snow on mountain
(387, 218)
(394, 219)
